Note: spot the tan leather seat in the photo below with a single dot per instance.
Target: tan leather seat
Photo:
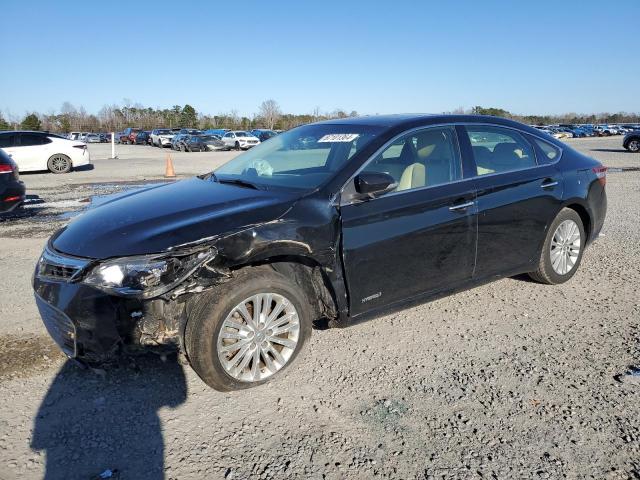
(414, 176)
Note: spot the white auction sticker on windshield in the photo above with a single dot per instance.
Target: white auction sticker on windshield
(339, 137)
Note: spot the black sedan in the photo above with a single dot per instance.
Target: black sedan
(203, 143)
(12, 190)
(233, 267)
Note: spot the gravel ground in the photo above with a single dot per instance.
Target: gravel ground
(509, 380)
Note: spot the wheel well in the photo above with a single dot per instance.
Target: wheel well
(308, 274)
(584, 216)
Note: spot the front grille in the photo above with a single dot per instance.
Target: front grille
(59, 326)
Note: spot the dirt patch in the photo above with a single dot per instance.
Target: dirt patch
(22, 356)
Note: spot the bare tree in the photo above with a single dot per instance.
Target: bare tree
(270, 112)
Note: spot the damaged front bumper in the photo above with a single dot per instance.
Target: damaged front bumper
(94, 326)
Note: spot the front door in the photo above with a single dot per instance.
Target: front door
(419, 238)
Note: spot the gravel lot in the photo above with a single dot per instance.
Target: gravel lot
(509, 380)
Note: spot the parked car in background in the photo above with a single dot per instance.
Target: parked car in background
(12, 190)
(605, 130)
(379, 214)
(190, 131)
(92, 138)
(128, 135)
(142, 138)
(216, 131)
(161, 137)
(204, 143)
(105, 137)
(74, 135)
(631, 141)
(263, 134)
(33, 151)
(177, 141)
(239, 139)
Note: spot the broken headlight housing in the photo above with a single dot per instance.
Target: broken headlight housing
(147, 276)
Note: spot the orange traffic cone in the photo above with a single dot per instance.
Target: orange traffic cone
(169, 172)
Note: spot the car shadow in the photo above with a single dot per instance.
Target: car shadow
(614, 150)
(20, 212)
(89, 423)
(523, 277)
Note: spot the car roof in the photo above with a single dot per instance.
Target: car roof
(26, 131)
(405, 121)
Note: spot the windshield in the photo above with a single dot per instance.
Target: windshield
(243, 134)
(302, 158)
(164, 132)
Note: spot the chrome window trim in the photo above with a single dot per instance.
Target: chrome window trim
(476, 176)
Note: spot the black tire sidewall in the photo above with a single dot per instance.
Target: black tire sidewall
(201, 334)
(565, 214)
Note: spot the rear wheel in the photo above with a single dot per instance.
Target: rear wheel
(247, 330)
(59, 163)
(237, 145)
(634, 146)
(563, 249)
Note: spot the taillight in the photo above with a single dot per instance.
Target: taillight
(6, 169)
(601, 173)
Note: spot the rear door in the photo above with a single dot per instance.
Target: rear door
(517, 199)
(419, 238)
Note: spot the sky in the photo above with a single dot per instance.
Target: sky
(528, 57)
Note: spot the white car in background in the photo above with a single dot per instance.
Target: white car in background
(161, 137)
(34, 151)
(239, 139)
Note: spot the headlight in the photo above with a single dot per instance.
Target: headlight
(146, 276)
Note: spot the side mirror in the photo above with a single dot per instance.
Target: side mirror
(373, 184)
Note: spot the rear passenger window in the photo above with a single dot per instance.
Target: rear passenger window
(550, 153)
(421, 159)
(31, 139)
(498, 150)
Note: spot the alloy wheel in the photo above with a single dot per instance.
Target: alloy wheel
(59, 163)
(258, 337)
(565, 247)
(634, 145)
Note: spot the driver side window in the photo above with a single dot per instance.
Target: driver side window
(422, 158)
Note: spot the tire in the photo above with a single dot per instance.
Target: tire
(546, 271)
(59, 163)
(634, 145)
(237, 145)
(182, 148)
(210, 311)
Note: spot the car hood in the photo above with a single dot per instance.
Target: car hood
(153, 219)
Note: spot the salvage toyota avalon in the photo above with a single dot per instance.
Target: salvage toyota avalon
(327, 224)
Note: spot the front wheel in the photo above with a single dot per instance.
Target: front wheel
(247, 330)
(59, 163)
(562, 250)
(634, 146)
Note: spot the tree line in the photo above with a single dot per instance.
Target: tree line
(112, 118)
(566, 118)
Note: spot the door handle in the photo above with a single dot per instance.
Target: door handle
(550, 184)
(461, 206)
